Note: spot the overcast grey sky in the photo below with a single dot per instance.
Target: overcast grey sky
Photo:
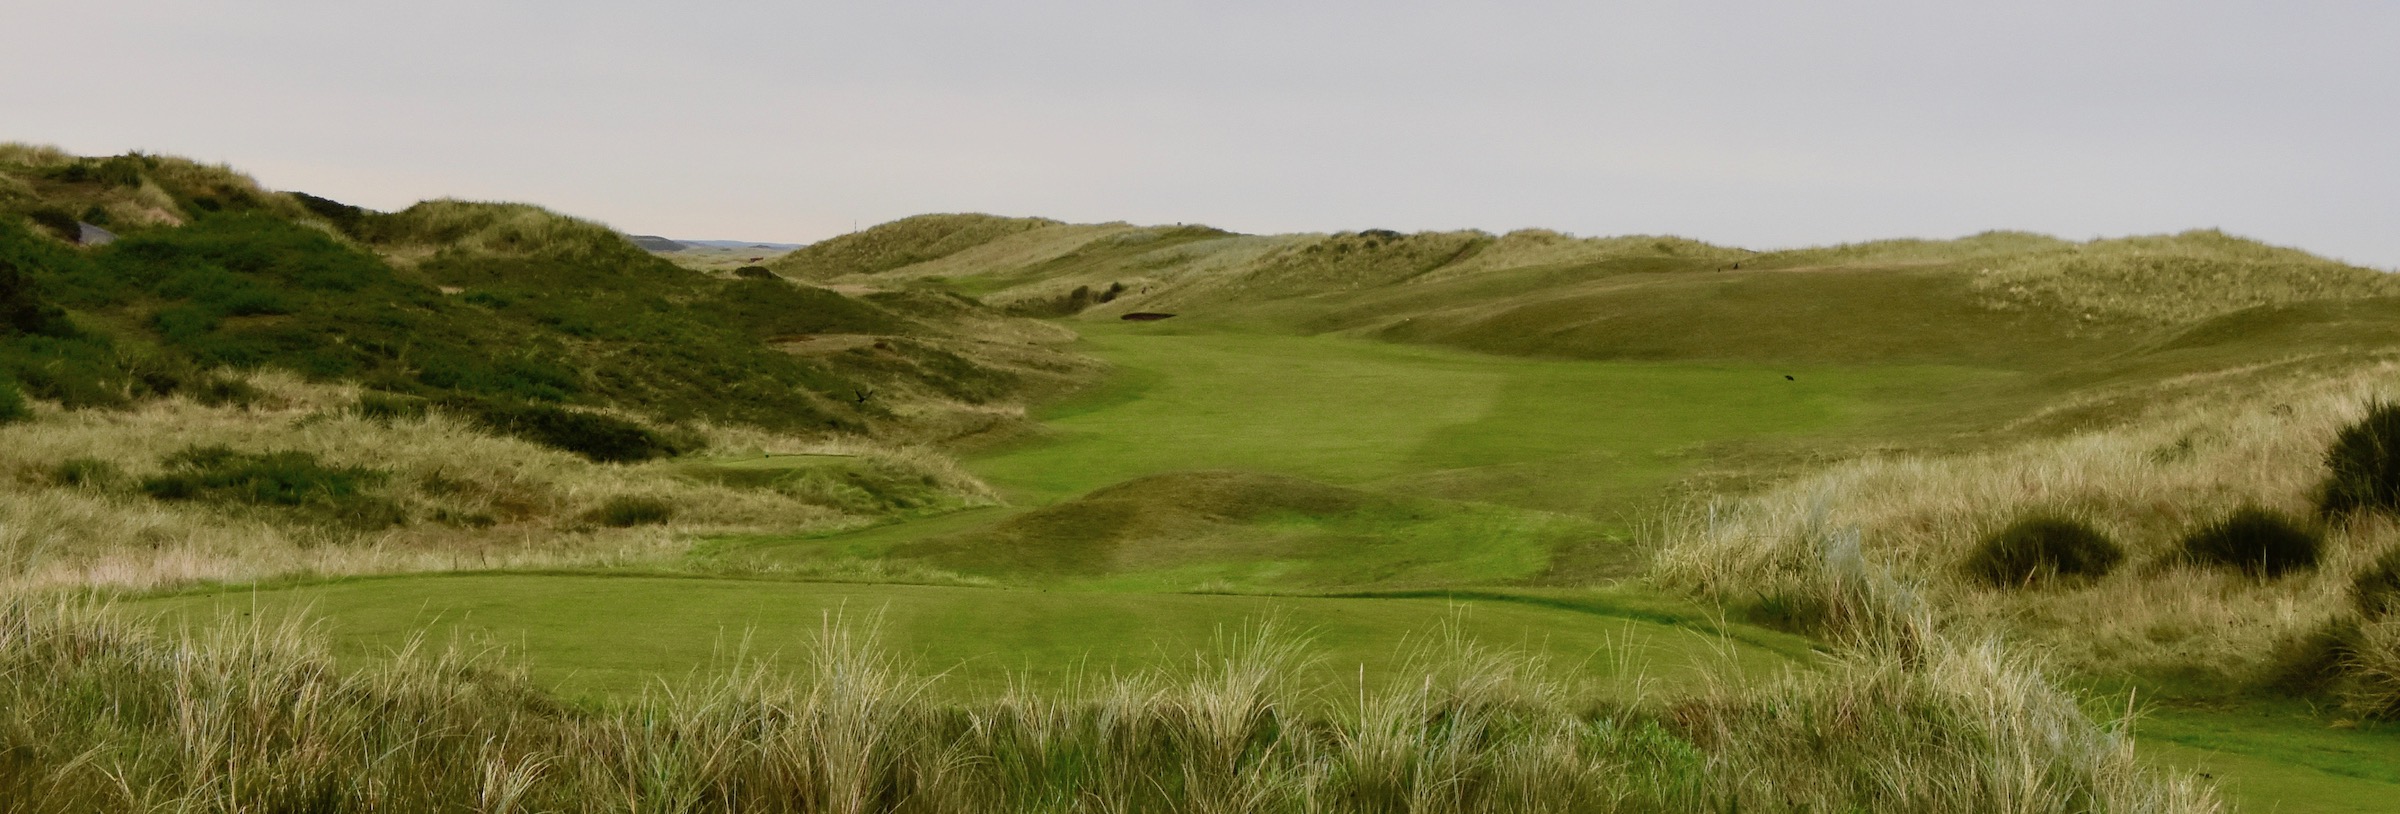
(1754, 124)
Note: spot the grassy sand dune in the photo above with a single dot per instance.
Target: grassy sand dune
(1418, 453)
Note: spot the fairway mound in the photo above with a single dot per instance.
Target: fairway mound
(1171, 517)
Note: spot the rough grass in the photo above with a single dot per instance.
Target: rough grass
(497, 229)
(2172, 279)
(467, 498)
(2147, 481)
(250, 716)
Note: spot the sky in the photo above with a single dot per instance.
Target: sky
(1755, 124)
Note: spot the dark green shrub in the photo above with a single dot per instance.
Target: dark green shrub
(86, 473)
(626, 511)
(350, 219)
(599, 437)
(2261, 542)
(60, 222)
(2364, 465)
(290, 479)
(2042, 546)
(2376, 592)
(755, 273)
(12, 403)
(22, 309)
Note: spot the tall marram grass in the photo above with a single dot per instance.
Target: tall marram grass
(2205, 448)
(100, 714)
(471, 499)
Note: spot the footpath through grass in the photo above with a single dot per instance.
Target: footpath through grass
(615, 635)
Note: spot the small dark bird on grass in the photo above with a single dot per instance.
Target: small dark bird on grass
(1787, 377)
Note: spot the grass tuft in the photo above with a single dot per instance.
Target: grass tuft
(2261, 542)
(2364, 464)
(2376, 591)
(2040, 547)
(2373, 691)
(86, 473)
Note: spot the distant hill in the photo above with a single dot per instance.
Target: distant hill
(1999, 298)
(743, 244)
(657, 244)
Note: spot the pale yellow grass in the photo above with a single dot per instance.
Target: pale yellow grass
(2252, 439)
(2171, 279)
(478, 500)
(1014, 251)
(1538, 248)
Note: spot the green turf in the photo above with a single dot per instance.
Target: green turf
(1462, 469)
(587, 634)
(1210, 530)
(1350, 411)
(2270, 758)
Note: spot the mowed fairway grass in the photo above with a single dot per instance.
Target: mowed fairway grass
(612, 635)
(1494, 462)
(1360, 412)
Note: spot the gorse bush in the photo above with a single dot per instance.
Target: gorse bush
(2043, 546)
(2363, 467)
(2259, 541)
(626, 511)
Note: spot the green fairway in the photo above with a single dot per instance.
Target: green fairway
(598, 634)
(1355, 412)
(2273, 759)
(1452, 468)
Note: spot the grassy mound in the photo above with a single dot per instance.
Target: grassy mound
(2363, 466)
(2174, 279)
(498, 230)
(900, 243)
(1087, 535)
(1238, 531)
(2260, 542)
(2041, 547)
